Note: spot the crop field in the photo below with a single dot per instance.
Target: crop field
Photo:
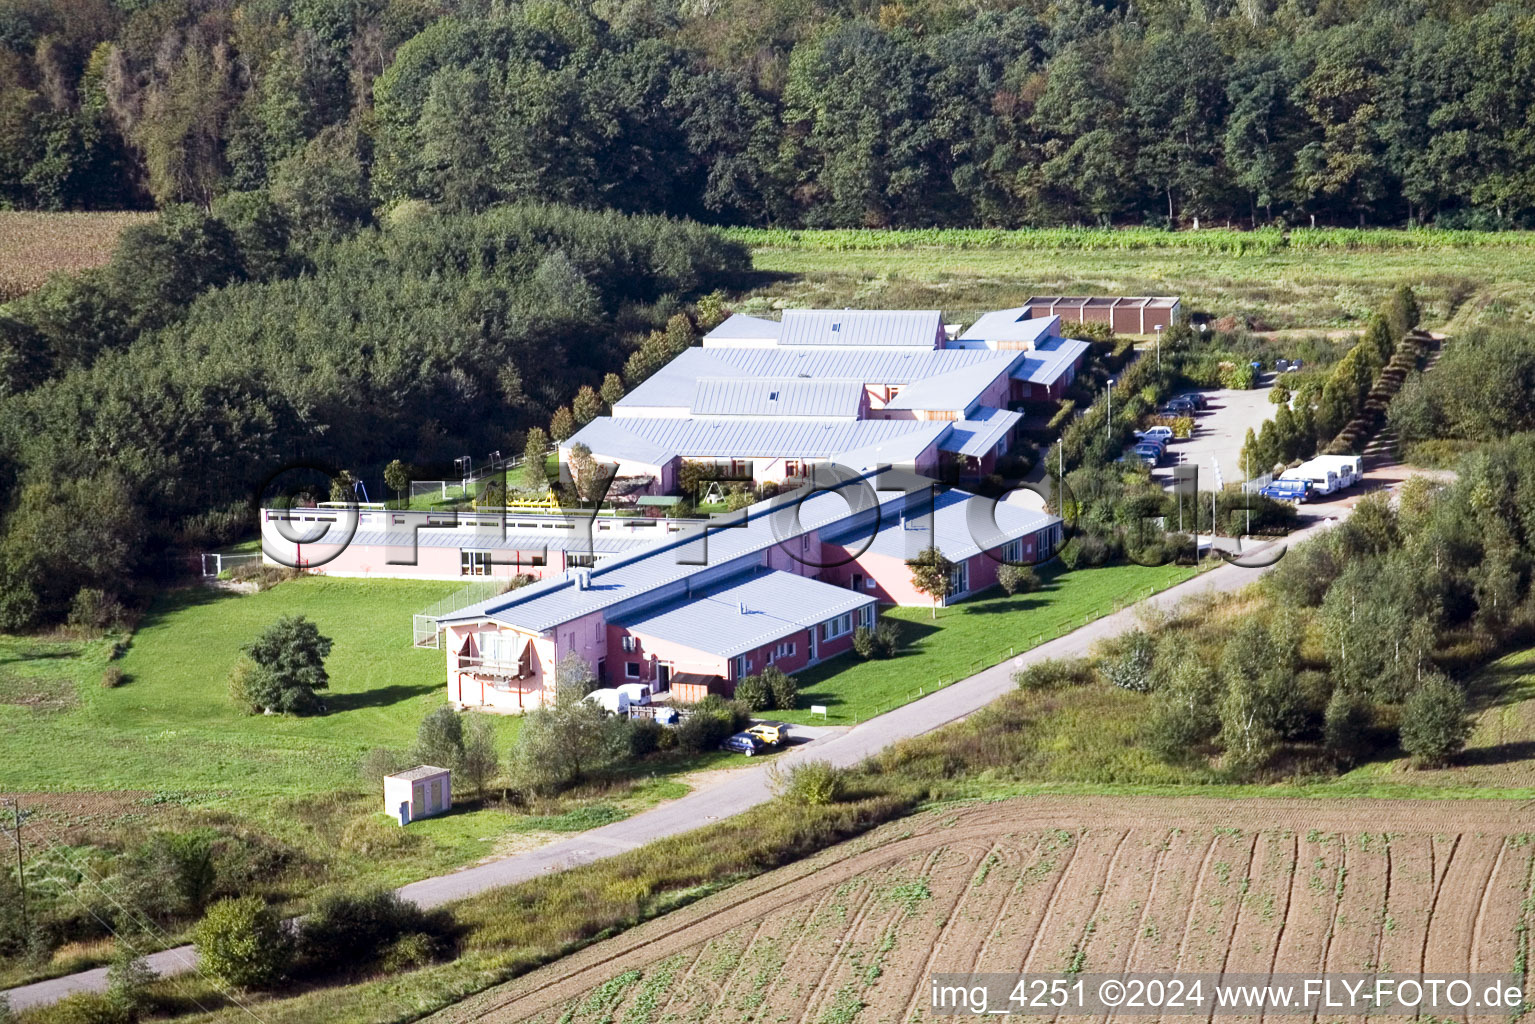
(1319, 281)
(1052, 885)
(35, 245)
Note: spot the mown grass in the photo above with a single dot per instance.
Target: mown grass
(1322, 287)
(970, 636)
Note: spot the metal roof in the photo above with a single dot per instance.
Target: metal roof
(747, 612)
(735, 396)
(416, 774)
(873, 328)
(1050, 360)
(957, 390)
(554, 601)
(1015, 325)
(1121, 301)
(958, 524)
(739, 327)
(657, 439)
(980, 432)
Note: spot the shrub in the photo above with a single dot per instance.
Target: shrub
(93, 611)
(863, 643)
(112, 678)
(128, 978)
(645, 736)
(377, 763)
(1346, 726)
(703, 730)
(372, 835)
(1017, 579)
(440, 739)
(784, 687)
(81, 1008)
(815, 783)
(360, 928)
(242, 943)
(1055, 672)
(1434, 722)
(409, 952)
(1132, 669)
(754, 692)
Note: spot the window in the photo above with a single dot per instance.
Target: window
(868, 584)
(629, 644)
(866, 617)
(786, 649)
(770, 656)
(1012, 551)
(580, 561)
(840, 626)
(791, 467)
(631, 668)
(743, 667)
(474, 563)
(959, 579)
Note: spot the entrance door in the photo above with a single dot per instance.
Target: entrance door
(857, 581)
(811, 648)
(663, 676)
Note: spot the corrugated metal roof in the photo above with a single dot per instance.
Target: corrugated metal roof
(956, 390)
(735, 396)
(1047, 363)
(873, 328)
(555, 601)
(747, 612)
(980, 432)
(655, 440)
(959, 524)
(1014, 325)
(739, 327)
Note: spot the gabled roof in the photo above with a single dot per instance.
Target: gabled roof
(956, 390)
(1047, 363)
(735, 396)
(740, 327)
(552, 602)
(874, 328)
(1015, 325)
(656, 440)
(958, 524)
(746, 612)
(980, 432)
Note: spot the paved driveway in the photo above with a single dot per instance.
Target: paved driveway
(1219, 430)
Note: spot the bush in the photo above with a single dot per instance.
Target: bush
(377, 763)
(1016, 579)
(785, 689)
(1346, 726)
(1132, 669)
(645, 736)
(242, 943)
(94, 611)
(354, 929)
(1055, 672)
(754, 692)
(128, 978)
(81, 1008)
(702, 730)
(409, 952)
(863, 643)
(112, 678)
(814, 783)
(1434, 722)
(373, 835)
(440, 739)
(1086, 551)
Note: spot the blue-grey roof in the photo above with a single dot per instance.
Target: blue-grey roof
(956, 390)
(658, 439)
(875, 328)
(736, 396)
(746, 612)
(1014, 325)
(980, 432)
(959, 524)
(739, 327)
(635, 576)
(1046, 363)
(674, 385)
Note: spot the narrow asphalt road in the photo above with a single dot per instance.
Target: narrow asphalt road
(743, 789)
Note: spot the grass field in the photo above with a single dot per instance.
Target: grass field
(968, 637)
(35, 245)
(1317, 288)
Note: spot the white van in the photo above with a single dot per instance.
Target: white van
(613, 701)
(638, 693)
(1322, 479)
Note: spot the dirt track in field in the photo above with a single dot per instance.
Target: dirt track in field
(1048, 884)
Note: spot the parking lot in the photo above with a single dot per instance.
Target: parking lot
(1219, 430)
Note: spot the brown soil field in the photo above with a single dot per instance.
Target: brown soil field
(1051, 884)
(35, 245)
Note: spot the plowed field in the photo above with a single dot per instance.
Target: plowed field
(1055, 884)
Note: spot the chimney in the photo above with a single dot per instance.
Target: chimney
(742, 606)
(583, 579)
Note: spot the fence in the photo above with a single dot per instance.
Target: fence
(424, 629)
(214, 563)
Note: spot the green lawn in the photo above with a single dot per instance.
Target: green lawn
(970, 636)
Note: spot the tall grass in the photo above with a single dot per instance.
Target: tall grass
(1214, 240)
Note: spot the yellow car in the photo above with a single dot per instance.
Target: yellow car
(771, 733)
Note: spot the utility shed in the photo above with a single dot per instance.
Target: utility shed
(419, 792)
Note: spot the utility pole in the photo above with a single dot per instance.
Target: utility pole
(21, 874)
(1108, 421)
(1158, 329)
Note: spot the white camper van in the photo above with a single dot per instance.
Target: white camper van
(1323, 480)
(1349, 468)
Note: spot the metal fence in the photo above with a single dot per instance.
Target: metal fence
(214, 563)
(423, 624)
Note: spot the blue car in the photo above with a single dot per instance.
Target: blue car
(742, 743)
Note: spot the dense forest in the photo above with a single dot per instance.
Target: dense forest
(144, 401)
(840, 113)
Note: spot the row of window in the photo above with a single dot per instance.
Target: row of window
(478, 563)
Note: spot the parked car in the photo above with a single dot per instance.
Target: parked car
(1292, 490)
(1281, 365)
(1160, 444)
(1180, 407)
(1194, 398)
(742, 743)
(1151, 450)
(1163, 434)
(638, 693)
(772, 734)
(614, 702)
(1294, 366)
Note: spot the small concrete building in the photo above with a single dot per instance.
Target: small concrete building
(420, 792)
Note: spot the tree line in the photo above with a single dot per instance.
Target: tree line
(148, 400)
(767, 113)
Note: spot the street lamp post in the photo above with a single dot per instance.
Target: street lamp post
(1108, 421)
(1159, 347)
